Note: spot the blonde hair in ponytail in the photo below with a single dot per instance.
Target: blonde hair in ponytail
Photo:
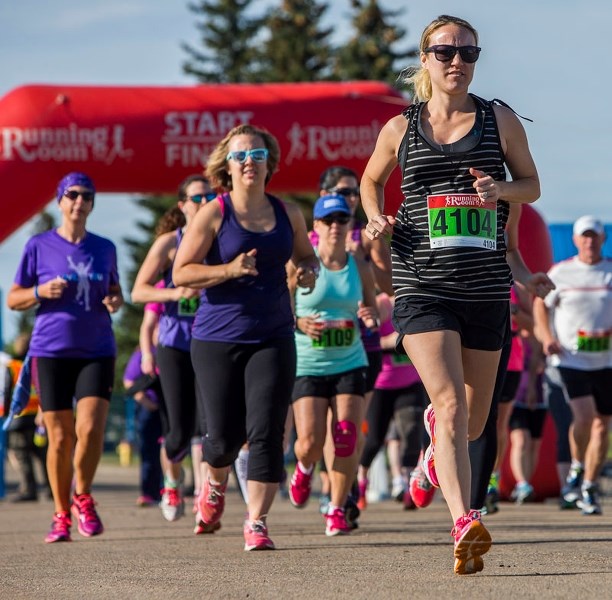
(418, 77)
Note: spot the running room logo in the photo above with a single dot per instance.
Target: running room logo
(190, 136)
(64, 144)
(331, 143)
(465, 200)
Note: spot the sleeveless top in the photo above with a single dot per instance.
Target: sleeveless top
(447, 242)
(370, 339)
(335, 299)
(250, 309)
(176, 321)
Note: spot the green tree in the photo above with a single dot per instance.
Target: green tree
(371, 53)
(229, 51)
(297, 47)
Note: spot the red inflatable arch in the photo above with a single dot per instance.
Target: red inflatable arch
(147, 139)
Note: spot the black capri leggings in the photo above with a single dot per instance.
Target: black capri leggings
(178, 402)
(245, 391)
(407, 405)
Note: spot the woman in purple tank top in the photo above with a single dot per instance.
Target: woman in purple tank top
(70, 275)
(178, 402)
(243, 347)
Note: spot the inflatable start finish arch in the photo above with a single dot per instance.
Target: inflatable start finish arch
(147, 139)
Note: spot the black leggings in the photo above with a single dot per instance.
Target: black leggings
(483, 450)
(407, 405)
(245, 391)
(178, 401)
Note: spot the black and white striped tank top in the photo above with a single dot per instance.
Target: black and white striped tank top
(447, 242)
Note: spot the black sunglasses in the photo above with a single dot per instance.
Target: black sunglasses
(446, 53)
(73, 195)
(197, 198)
(340, 218)
(346, 191)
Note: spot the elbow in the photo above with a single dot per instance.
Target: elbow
(136, 295)
(178, 276)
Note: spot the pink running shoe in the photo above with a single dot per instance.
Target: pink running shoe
(420, 489)
(472, 540)
(210, 504)
(362, 500)
(335, 522)
(256, 536)
(428, 459)
(201, 529)
(60, 528)
(84, 511)
(299, 490)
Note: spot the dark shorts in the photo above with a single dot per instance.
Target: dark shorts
(62, 380)
(327, 386)
(511, 384)
(481, 325)
(598, 384)
(531, 420)
(374, 367)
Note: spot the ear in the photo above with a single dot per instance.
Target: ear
(423, 59)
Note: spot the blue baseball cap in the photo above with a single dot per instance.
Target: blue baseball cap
(329, 204)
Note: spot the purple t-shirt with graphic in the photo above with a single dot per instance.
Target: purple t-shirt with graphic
(76, 325)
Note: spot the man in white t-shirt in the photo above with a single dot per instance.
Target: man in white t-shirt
(574, 324)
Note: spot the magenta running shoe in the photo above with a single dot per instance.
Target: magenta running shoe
(420, 489)
(84, 511)
(211, 504)
(429, 465)
(299, 490)
(472, 540)
(60, 528)
(256, 536)
(335, 522)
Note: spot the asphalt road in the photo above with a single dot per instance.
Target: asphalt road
(539, 552)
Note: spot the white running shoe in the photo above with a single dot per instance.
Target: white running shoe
(172, 504)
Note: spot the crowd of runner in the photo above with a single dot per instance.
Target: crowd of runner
(258, 333)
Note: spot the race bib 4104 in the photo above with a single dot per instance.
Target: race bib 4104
(462, 220)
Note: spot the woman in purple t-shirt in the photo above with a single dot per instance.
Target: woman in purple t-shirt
(243, 349)
(71, 276)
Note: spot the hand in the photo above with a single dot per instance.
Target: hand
(310, 326)
(485, 185)
(552, 346)
(113, 302)
(147, 364)
(185, 292)
(53, 289)
(243, 264)
(379, 225)
(306, 277)
(369, 316)
(539, 284)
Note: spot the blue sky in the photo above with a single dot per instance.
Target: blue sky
(547, 59)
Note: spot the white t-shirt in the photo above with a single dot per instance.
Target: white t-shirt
(581, 313)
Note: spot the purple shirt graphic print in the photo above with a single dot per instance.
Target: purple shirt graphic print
(77, 325)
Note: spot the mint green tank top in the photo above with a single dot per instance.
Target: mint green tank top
(335, 299)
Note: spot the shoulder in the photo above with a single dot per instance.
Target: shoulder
(99, 241)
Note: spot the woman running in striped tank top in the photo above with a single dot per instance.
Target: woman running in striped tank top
(450, 275)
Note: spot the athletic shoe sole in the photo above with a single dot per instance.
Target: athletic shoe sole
(202, 528)
(475, 542)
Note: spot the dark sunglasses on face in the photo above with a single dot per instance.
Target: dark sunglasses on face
(340, 218)
(258, 155)
(197, 198)
(446, 53)
(73, 195)
(345, 191)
